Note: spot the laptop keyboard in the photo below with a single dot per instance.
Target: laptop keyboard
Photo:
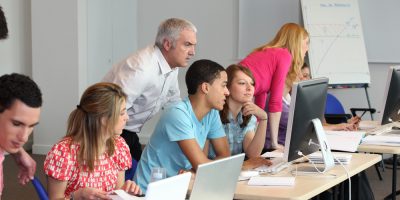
(390, 128)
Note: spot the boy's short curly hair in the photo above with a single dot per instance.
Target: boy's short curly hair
(19, 87)
(202, 71)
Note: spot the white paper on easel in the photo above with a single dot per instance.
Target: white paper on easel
(344, 140)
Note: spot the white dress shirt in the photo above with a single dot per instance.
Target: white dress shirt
(149, 83)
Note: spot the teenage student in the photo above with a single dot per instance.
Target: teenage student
(274, 63)
(91, 159)
(352, 123)
(20, 103)
(150, 76)
(179, 137)
(239, 115)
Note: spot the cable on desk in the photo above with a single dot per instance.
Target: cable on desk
(347, 173)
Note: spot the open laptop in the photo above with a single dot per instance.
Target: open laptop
(173, 188)
(217, 180)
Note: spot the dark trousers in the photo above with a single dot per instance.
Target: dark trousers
(132, 140)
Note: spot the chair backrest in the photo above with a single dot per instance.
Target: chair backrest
(41, 191)
(333, 105)
(130, 172)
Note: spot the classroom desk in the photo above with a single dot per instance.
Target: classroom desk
(389, 150)
(383, 149)
(307, 187)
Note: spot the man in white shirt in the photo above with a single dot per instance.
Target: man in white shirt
(150, 76)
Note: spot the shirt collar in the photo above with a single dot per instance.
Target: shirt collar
(162, 63)
(239, 118)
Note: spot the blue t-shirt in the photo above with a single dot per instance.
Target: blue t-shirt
(178, 123)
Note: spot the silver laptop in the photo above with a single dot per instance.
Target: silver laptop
(217, 180)
(172, 188)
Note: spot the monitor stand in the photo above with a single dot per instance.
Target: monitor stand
(327, 156)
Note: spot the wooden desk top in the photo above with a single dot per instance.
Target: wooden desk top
(307, 187)
(378, 148)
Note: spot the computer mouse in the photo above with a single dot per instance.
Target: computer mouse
(249, 174)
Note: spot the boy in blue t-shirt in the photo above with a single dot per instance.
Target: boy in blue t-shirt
(179, 137)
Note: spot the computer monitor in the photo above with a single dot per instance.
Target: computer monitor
(391, 99)
(307, 104)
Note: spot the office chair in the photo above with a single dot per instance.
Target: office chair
(41, 191)
(130, 172)
(335, 113)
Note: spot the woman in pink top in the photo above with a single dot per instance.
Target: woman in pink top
(90, 161)
(275, 64)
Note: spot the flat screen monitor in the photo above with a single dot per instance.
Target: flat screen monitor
(391, 105)
(308, 103)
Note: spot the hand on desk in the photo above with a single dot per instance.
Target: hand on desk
(354, 120)
(252, 163)
(351, 125)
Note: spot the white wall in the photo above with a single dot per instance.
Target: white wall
(56, 66)
(15, 52)
(112, 34)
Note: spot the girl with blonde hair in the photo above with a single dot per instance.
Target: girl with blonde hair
(274, 65)
(90, 161)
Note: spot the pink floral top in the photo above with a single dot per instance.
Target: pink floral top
(61, 164)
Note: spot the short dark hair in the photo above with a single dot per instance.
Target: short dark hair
(202, 71)
(3, 25)
(17, 86)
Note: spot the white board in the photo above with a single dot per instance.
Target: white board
(337, 48)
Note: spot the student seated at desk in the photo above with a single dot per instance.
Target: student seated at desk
(179, 137)
(239, 116)
(351, 125)
(91, 159)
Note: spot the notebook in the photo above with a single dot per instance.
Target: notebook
(174, 187)
(217, 180)
(344, 140)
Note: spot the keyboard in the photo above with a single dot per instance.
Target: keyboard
(277, 165)
(272, 181)
(380, 130)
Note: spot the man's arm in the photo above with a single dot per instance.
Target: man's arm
(193, 152)
(174, 93)
(221, 147)
(27, 166)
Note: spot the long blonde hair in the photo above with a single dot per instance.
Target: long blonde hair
(290, 36)
(94, 120)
